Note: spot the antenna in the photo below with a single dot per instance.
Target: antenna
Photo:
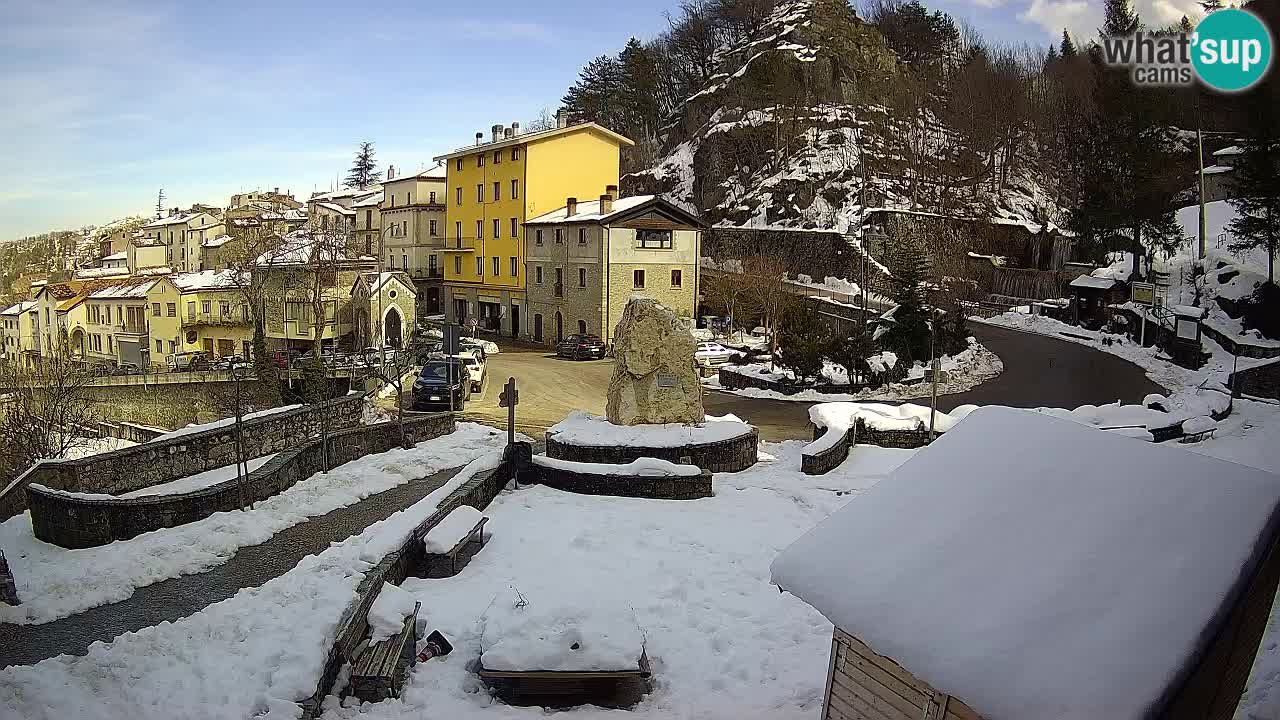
(160, 204)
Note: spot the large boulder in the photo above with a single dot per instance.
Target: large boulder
(654, 379)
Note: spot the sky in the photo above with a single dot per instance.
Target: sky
(108, 102)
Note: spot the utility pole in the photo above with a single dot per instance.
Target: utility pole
(1200, 154)
(933, 370)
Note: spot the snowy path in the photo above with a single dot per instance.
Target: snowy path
(179, 597)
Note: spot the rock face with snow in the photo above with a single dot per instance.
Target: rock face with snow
(654, 379)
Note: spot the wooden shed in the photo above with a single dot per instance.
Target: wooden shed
(1095, 576)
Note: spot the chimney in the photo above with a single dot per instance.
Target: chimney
(571, 207)
(515, 128)
(611, 191)
(562, 118)
(277, 191)
(391, 172)
(606, 204)
(497, 132)
(479, 138)
(506, 134)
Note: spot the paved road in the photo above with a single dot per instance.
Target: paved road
(181, 596)
(1038, 371)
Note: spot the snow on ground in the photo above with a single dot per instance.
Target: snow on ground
(965, 371)
(386, 615)
(224, 422)
(581, 428)
(94, 446)
(640, 467)
(260, 651)
(54, 582)
(566, 636)
(692, 575)
(199, 480)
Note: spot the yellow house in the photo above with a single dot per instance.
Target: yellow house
(116, 325)
(200, 311)
(20, 324)
(491, 190)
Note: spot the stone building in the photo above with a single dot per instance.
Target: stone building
(586, 260)
(182, 234)
(413, 227)
(383, 308)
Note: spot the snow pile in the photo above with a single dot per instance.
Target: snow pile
(1114, 416)
(883, 361)
(1200, 424)
(1054, 545)
(224, 422)
(456, 525)
(640, 467)
(879, 416)
(258, 651)
(386, 615)
(554, 633)
(581, 428)
(54, 582)
(199, 481)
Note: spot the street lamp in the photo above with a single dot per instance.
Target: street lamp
(242, 470)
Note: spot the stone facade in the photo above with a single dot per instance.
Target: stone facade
(654, 378)
(8, 589)
(824, 461)
(1260, 381)
(80, 522)
(732, 455)
(734, 380)
(658, 488)
(162, 461)
(908, 439)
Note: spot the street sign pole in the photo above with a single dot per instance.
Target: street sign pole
(508, 399)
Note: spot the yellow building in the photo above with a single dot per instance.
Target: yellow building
(492, 188)
(200, 311)
(21, 326)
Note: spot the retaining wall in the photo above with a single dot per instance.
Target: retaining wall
(638, 486)
(892, 438)
(477, 492)
(732, 455)
(735, 380)
(1260, 381)
(165, 460)
(824, 461)
(8, 590)
(78, 522)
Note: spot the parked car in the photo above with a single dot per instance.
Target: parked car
(231, 362)
(442, 384)
(284, 359)
(189, 361)
(581, 347)
(127, 369)
(474, 344)
(475, 368)
(710, 354)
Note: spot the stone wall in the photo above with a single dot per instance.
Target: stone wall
(637, 486)
(8, 589)
(1260, 381)
(892, 438)
(732, 455)
(735, 380)
(824, 461)
(477, 492)
(165, 460)
(79, 522)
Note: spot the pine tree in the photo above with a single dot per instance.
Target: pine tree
(364, 171)
(1211, 5)
(1119, 18)
(1068, 47)
(909, 334)
(1257, 182)
(1184, 25)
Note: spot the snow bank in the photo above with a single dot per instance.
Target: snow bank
(555, 633)
(879, 416)
(581, 428)
(224, 422)
(198, 481)
(1113, 416)
(1200, 424)
(54, 582)
(1044, 584)
(640, 467)
(455, 526)
(386, 615)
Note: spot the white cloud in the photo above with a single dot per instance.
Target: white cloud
(1079, 17)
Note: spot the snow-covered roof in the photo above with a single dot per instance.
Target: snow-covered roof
(371, 201)
(336, 208)
(1080, 580)
(124, 290)
(1217, 169)
(180, 218)
(1095, 283)
(1189, 311)
(216, 242)
(122, 255)
(345, 193)
(436, 172)
(101, 272)
(158, 270)
(538, 136)
(375, 281)
(20, 308)
(301, 247)
(589, 211)
(207, 280)
(1232, 150)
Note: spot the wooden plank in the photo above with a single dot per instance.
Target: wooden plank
(877, 689)
(560, 674)
(852, 705)
(884, 663)
(867, 667)
(831, 668)
(832, 713)
(958, 710)
(845, 688)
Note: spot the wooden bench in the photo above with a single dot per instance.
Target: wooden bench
(378, 673)
(1197, 436)
(462, 539)
(567, 688)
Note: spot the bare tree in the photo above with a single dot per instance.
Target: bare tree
(46, 411)
(765, 281)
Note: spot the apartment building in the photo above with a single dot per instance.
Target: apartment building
(200, 311)
(366, 221)
(115, 327)
(302, 272)
(182, 233)
(330, 209)
(493, 188)
(61, 310)
(263, 199)
(586, 260)
(413, 217)
(21, 326)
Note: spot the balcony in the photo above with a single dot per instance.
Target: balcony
(131, 327)
(427, 273)
(234, 318)
(459, 245)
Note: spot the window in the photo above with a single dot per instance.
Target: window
(559, 236)
(433, 197)
(155, 309)
(515, 189)
(582, 236)
(171, 309)
(457, 264)
(479, 229)
(676, 278)
(458, 165)
(637, 279)
(480, 160)
(654, 239)
(408, 199)
(515, 153)
(457, 232)
(480, 266)
(497, 266)
(480, 192)
(582, 277)
(159, 347)
(497, 228)
(515, 227)
(224, 308)
(404, 263)
(537, 274)
(559, 282)
(537, 236)
(497, 191)
(111, 348)
(582, 327)
(497, 157)
(204, 307)
(515, 267)
(459, 197)
(433, 227)
(191, 310)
